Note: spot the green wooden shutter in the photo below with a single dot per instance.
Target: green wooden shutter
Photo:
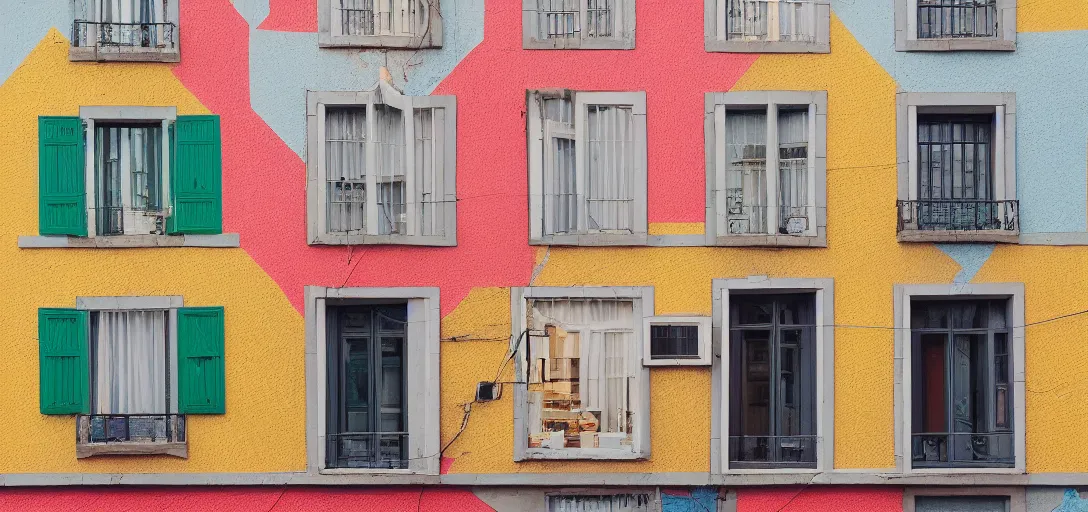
(196, 177)
(62, 197)
(201, 375)
(63, 361)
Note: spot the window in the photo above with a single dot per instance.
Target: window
(676, 341)
(959, 177)
(131, 368)
(773, 379)
(948, 25)
(768, 26)
(373, 397)
(962, 411)
(776, 373)
(962, 387)
(641, 502)
(380, 23)
(572, 24)
(964, 499)
(382, 168)
(761, 197)
(367, 418)
(125, 30)
(141, 170)
(586, 395)
(587, 168)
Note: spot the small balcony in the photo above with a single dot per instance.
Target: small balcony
(958, 220)
(131, 434)
(771, 452)
(963, 450)
(367, 450)
(110, 41)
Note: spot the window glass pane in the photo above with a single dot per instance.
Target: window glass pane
(345, 168)
(608, 503)
(128, 160)
(357, 17)
(942, 19)
(580, 375)
(558, 19)
(560, 172)
(961, 503)
(610, 168)
(390, 170)
(130, 362)
(793, 170)
(955, 186)
(746, 177)
(752, 310)
(600, 18)
(763, 20)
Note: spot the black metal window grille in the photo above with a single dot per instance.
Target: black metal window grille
(130, 428)
(674, 342)
(772, 363)
(367, 414)
(357, 17)
(955, 173)
(939, 19)
(962, 403)
(599, 18)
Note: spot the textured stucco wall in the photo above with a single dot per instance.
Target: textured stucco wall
(250, 61)
(263, 427)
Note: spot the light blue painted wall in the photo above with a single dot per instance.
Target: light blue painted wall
(1047, 72)
(23, 24)
(284, 65)
(970, 257)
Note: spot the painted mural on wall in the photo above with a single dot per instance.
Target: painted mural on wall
(250, 61)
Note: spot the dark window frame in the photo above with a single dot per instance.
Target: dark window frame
(336, 406)
(804, 383)
(989, 381)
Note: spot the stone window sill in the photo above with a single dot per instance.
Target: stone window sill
(128, 241)
(986, 235)
(180, 450)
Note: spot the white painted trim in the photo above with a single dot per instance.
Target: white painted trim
(824, 404)
(642, 299)
(423, 380)
(702, 322)
(129, 303)
(903, 295)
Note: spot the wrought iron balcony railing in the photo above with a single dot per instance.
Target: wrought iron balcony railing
(372, 450)
(959, 215)
(130, 433)
(963, 449)
(772, 451)
(124, 36)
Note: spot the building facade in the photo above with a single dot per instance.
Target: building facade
(627, 255)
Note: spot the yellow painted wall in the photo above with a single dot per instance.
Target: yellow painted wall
(263, 429)
(1051, 15)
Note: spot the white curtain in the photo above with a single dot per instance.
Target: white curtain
(605, 375)
(130, 362)
(610, 155)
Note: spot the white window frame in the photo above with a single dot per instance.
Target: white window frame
(903, 295)
(90, 115)
(717, 164)
(623, 29)
(824, 288)
(642, 299)
(702, 322)
(330, 34)
(906, 32)
(715, 21)
(422, 378)
(87, 10)
(536, 153)
(1003, 107)
(317, 202)
(1017, 496)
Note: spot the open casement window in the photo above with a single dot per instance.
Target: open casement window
(949, 25)
(131, 373)
(587, 168)
(381, 168)
(380, 23)
(962, 398)
(573, 24)
(768, 26)
(960, 170)
(581, 357)
(772, 358)
(761, 196)
(121, 171)
(125, 30)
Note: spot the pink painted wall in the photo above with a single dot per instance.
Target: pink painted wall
(820, 499)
